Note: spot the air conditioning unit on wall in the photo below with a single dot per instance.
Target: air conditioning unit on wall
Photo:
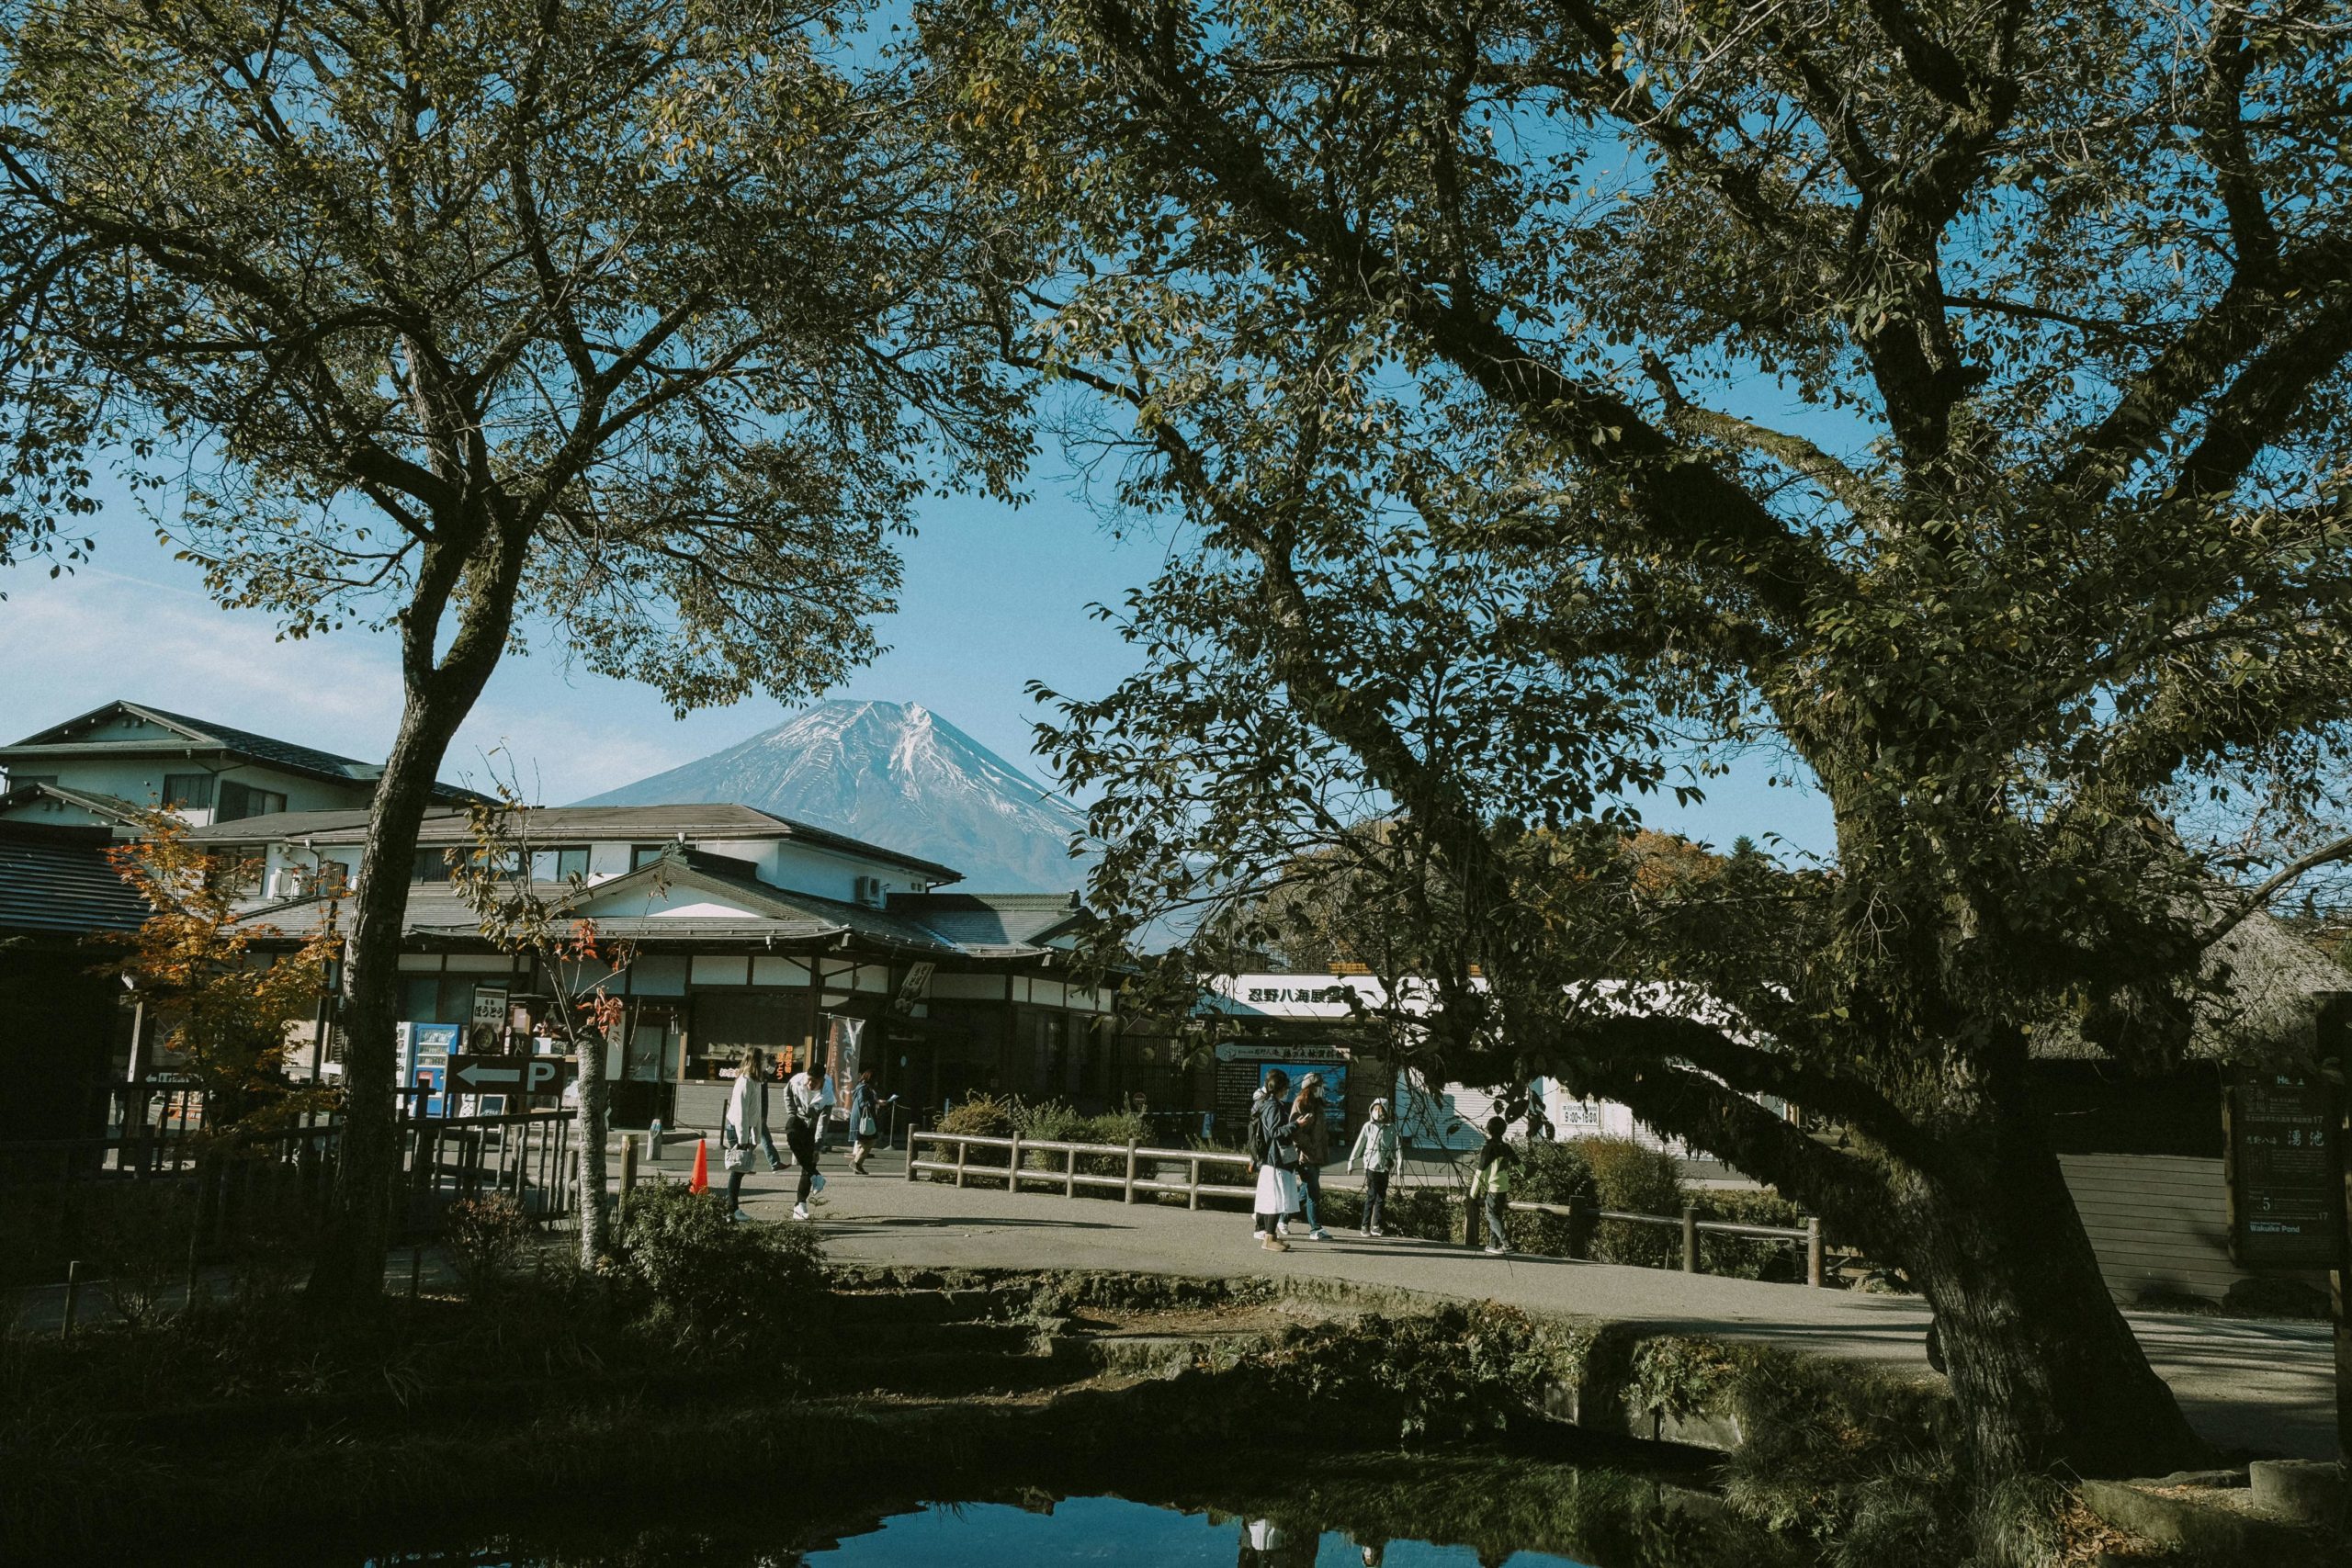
(869, 891)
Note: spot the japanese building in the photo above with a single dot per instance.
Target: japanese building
(747, 929)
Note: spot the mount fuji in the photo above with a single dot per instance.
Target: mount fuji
(895, 775)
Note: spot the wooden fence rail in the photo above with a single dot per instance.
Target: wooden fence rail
(1069, 1178)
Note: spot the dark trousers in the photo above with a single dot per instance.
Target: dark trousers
(1376, 1196)
(1497, 1207)
(803, 1139)
(734, 1191)
(1311, 1200)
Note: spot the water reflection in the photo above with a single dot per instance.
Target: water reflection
(1429, 1511)
(1084, 1530)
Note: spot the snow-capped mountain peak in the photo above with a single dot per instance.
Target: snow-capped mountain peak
(895, 775)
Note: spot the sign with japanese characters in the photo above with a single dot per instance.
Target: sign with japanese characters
(2286, 1175)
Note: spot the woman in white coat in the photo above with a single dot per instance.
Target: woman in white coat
(744, 1133)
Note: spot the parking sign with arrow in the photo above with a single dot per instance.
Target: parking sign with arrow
(509, 1074)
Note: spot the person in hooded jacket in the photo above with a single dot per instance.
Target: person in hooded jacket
(1377, 1151)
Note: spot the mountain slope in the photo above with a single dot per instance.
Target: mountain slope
(895, 775)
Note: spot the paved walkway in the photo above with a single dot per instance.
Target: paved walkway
(2248, 1385)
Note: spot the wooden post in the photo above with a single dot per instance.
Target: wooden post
(73, 1297)
(1069, 1176)
(963, 1151)
(628, 1163)
(1013, 1179)
(911, 1144)
(1128, 1194)
(1690, 1239)
(1815, 1259)
(1195, 1201)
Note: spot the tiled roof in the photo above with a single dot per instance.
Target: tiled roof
(57, 878)
(551, 825)
(110, 806)
(1009, 922)
(779, 915)
(203, 733)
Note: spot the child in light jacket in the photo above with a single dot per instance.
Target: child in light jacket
(1376, 1150)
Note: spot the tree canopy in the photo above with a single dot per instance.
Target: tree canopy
(641, 323)
(1557, 398)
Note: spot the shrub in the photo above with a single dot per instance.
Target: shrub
(1638, 1181)
(137, 1242)
(1749, 1258)
(980, 1116)
(1550, 1172)
(1117, 1128)
(690, 1275)
(1050, 1120)
(484, 1236)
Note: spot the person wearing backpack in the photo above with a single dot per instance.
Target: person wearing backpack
(1497, 1160)
(1377, 1149)
(1274, 1155)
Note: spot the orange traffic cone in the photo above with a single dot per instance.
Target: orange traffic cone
(700, 1181)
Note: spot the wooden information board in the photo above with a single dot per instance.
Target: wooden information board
(2285, 1178)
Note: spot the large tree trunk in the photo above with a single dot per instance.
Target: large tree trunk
(2045, 1368)
(591, 1147)
(349, 1271)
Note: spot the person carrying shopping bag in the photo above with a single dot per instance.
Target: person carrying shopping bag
(744, 1133)
(1377, 1151)
(864, 1107)
(806, 1105)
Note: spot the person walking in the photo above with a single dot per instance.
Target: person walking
(1310, 1115)
(864, 1125)
(1377, 1149)
(1497, 1160)
(1273, 1156)
(743, 1131)
(805, 1105)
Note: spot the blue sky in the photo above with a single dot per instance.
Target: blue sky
(994, 598)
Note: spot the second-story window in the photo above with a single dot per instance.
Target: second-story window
(188, 792)
(560, 865)
(645, 854)
(239, 801)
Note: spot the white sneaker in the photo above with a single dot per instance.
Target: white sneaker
(815, 1184)
(738, 1215)
(1282, 1228)
(1257, 1235)
(1319, 1234)
(800, 1212)
(1377, 1230)
(1494, 1252)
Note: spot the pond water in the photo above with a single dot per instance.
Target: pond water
(1113, 1529)
(1068, 1533)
